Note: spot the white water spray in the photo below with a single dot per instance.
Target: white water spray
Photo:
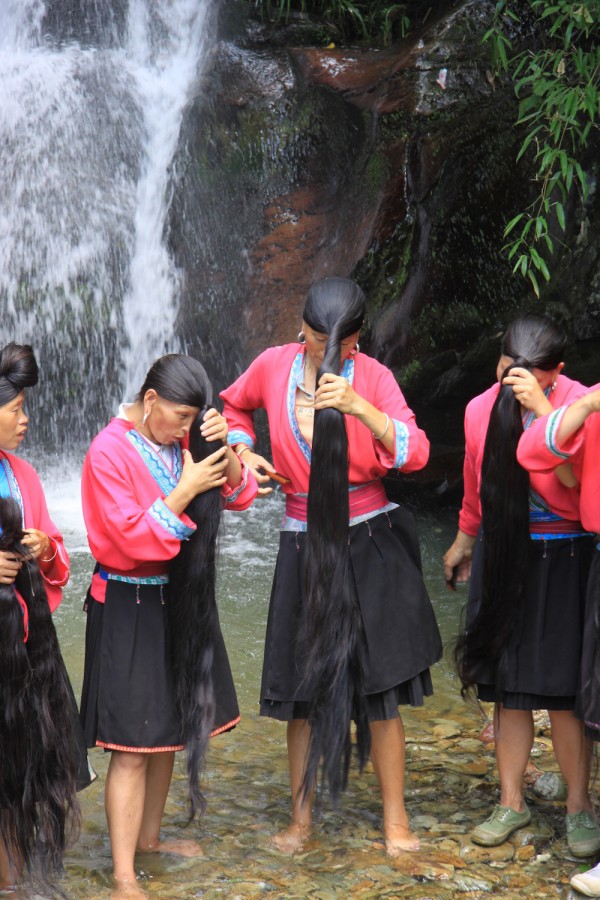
(87, 138)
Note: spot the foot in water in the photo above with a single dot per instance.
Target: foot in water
(292, 839)
(185, 848)
(400, 839)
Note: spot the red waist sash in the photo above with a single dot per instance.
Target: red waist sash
(364, 498)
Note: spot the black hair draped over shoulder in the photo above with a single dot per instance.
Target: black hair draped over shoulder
(18, 370)
(532, 342)
(39, 811)
(192, 618)
(332, 630)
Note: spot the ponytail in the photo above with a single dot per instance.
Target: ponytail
(334, 666)
(193, 623)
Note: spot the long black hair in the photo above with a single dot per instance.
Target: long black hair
(178, 378)
(192, 618)
(39, 811)
(531, 342)
(333, 669)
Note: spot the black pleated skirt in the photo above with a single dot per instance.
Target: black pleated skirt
(127, 698)
(402, 639)
(543, 659)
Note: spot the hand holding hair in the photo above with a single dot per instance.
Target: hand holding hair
(38, 543)
(10, 566)
(335, 392)
(214, 427)
(197, 478)
(528, 391)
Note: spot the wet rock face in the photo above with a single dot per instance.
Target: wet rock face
(396, 166)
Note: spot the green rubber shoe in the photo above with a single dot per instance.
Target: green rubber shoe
(500, 825)
(583, 833)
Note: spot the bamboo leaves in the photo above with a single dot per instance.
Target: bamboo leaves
(558, 88)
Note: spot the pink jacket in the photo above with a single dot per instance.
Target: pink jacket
(36, 515)
(561, 500)
(269, 383)
(539, 452)
(131, 530)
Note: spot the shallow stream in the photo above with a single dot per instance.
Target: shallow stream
(451, 780)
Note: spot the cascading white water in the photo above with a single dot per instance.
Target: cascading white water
(87, 136)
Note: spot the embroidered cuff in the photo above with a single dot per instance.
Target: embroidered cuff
(552, 425)
(231, 494)
(400, 457)
(240, 437)
(165, 517)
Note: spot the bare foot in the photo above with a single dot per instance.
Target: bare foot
(125, 888)
(292, 839)
(186, 848)
(400, 839)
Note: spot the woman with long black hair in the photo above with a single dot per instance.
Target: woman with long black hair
(157, 677)
(572, 434)
(40, 759)
(351, 632)
(525, 613)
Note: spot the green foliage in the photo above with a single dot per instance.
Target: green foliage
(558, 87)
(381, 20)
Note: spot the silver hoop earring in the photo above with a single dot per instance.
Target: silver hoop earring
(144, 418)
(553, 386)
(301, 337)
(357, 348)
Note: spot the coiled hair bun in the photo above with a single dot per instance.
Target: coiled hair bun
(18, 370)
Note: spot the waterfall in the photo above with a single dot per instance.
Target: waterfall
(90, 112)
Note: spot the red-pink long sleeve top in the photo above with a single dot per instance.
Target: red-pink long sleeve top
(131, 530)
(26, 488)
(561, 500)
(540, 453)
(270, 383)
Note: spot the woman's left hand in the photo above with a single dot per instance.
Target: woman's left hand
(214, 426)
(528, 391)
(38, 543)
(334, 392)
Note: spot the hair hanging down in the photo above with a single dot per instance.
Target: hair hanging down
(333, 669)
(18, 370)
(531, 342)
(39, 811)
(192, 618)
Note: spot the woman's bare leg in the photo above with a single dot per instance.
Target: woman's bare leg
(573, 755)
(158, 779)
(292, 838)
(513, 731)
(124, 799)
(388, 758)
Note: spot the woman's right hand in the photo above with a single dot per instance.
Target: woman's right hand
(260, 468)
(204, 475)
(198, 477)
(458, 560)
(10, 566)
